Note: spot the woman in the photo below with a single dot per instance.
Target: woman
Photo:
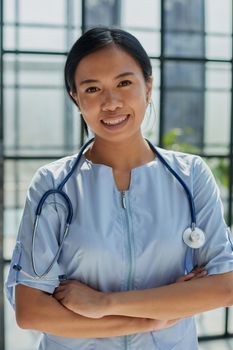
(125, 252)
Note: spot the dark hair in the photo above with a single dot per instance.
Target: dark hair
(100, 37)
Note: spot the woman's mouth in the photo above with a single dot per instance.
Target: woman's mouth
(115, 122)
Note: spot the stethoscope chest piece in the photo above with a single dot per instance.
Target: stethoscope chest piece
(194, 238)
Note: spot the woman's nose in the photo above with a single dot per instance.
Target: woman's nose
(111, 101)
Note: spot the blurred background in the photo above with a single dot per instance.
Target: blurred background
(190, 45)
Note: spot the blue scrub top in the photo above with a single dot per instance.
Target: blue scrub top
(115, 246)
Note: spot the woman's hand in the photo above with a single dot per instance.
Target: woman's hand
(88, 302)
(197, 272)
(80, 298)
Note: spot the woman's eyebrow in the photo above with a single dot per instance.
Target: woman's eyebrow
(123, 75)
(88, 81)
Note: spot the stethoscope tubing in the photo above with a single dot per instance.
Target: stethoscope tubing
(59, 191)
(183, 184)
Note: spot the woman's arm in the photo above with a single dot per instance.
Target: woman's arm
(174, 301)
(38, 310)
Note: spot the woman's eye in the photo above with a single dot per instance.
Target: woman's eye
(125, 83)
(92, 89)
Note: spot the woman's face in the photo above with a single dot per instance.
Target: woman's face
(112, 93)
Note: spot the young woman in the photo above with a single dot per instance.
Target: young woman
(126, 248)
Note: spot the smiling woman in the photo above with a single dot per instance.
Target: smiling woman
(112, 93)
(132, 280)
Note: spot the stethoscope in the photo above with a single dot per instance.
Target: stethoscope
(193, 236)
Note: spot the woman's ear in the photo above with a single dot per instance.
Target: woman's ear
(74, 97)
(149, 86)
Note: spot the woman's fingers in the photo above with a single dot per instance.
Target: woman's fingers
(58, 290)
(198, 269)
(201, 274)
(185, 278)
(197, 272)
(59, 296)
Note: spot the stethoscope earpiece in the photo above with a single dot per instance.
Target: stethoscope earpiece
(194, 237)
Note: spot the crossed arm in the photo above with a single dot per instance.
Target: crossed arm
(174, 301)
(78, 311)
(40, 311)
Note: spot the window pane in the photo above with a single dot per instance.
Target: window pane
(211, 323)
(40, 11)
(18, 175)
(34, 70)
(49, 39)
(133, 15)
(9, 10)
(184, 28)
(36, 29)
(187, 22)
(185, 45)
(183, 119)
(217, 107)
(184, 105)
(102, 12)
(218, 76)
(38, 111)
(75, 12)
(218, 47)
(218, 28)
(184, 75)
(184, 15)
(31, 114)
(72, 37)
(231, 319)
(217, 122)
(149, 40)
(215, 22)
(156, 73)
(42, 39)
(9, 37)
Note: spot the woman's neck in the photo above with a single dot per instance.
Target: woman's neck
(122, 156)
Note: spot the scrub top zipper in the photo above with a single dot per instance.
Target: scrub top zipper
(128, 222)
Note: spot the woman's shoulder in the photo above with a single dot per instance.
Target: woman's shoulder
(192, 167)
(181, 161)
(54, 171)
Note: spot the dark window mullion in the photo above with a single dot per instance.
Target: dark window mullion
(230, 194)
(2, 330)
(162, 58)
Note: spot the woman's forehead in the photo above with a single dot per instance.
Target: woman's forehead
(109, 60)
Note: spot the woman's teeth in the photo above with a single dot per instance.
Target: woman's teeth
(115, 121)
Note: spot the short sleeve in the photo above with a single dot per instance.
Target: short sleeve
(46, 240)
(217, 252)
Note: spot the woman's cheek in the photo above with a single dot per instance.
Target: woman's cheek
(138, 94)
(87, 105)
